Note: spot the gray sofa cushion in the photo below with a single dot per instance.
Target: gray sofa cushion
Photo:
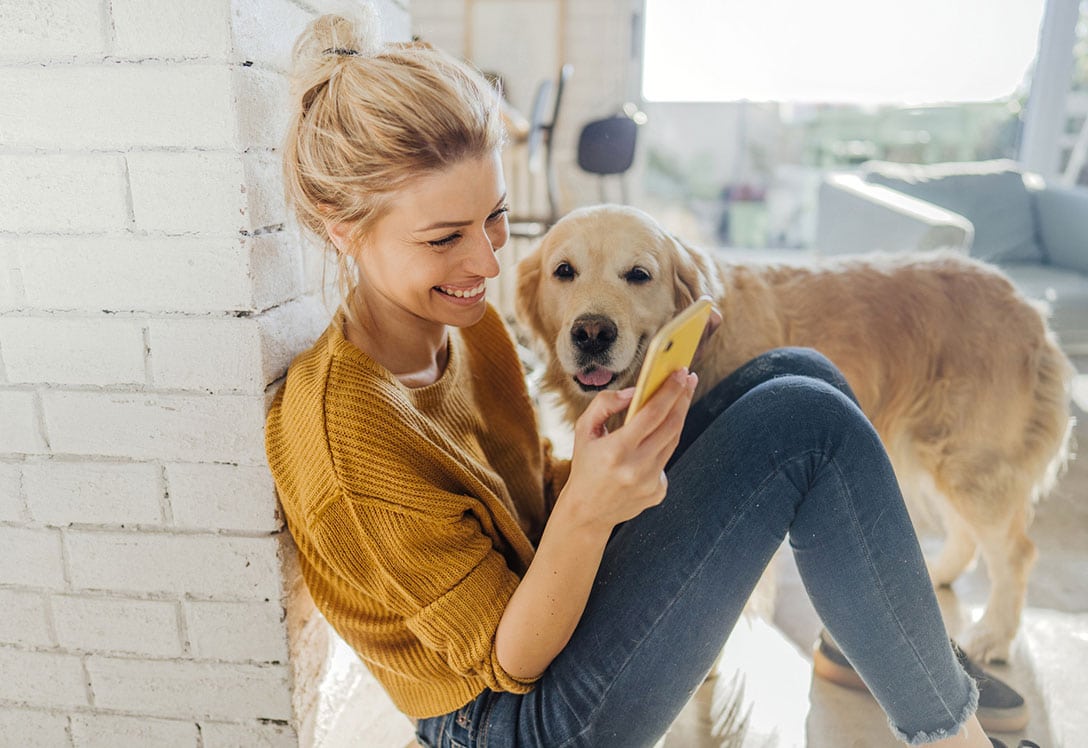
(989, 194)
(1064, 292)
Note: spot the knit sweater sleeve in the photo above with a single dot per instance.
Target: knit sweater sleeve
(441, 575)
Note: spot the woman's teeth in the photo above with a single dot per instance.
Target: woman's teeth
(463, 294)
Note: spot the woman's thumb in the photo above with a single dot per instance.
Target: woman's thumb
(604, 405)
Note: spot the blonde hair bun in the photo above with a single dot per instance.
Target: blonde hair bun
(328, 40)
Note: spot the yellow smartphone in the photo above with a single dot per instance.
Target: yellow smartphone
(670, 349)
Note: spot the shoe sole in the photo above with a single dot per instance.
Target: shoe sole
(1009, 720)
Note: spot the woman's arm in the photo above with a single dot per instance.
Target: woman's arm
(614, 477)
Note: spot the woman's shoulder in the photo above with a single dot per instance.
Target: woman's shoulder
(330, 389)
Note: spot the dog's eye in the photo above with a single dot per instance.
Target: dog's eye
(563, 271)
(637, 275)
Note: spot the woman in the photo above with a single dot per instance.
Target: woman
(500, 596)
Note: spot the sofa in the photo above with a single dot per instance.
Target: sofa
(1036, 231)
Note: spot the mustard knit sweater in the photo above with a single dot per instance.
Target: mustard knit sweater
(415, 511)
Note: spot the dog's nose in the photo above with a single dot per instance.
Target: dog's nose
(593, 333)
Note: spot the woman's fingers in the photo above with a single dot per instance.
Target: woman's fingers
(603, 406)
(671, 400)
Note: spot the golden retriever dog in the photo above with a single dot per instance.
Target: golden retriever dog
(957, 371)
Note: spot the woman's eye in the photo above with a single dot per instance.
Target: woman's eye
(445, 240)
(564, 271)
(637, 275)
(498, 213)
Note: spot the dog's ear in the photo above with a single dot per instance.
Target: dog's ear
(528, 289)
(694, 274)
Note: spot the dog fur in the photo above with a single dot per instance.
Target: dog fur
(957, 371)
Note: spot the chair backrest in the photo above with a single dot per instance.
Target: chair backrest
(607, 146)
(565, 73)
(537, 125)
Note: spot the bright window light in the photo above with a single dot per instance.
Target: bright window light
(839, 51)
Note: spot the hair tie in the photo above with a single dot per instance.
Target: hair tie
(340, 51)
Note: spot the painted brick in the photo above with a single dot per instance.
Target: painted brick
(51, 29)
(116, 106)
(73, 351)
(208, 565)
(238, 631)
(276, 267)
(28, 728)
(114, 731)
(251, 735)
(191, 689)
(266, 204)
(222, 428)
(62, 492)
(223, 497)
(25, 621)
(31, 558)
(265, 30)
(11, 279)
(142, 274)
(46, 679)
(263, 107)
(12, 505)
(21, 433)
(166, 28)
(194, 192)
(142, 627)
(215, 355)
(288, 330)
(60, 192)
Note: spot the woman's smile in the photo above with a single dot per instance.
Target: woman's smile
(464, 296)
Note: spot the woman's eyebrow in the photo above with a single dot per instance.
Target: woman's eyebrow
(459, 224)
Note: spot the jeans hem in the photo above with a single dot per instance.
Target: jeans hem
(923, 737)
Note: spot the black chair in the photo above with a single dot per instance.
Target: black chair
(539, 147)
(606, 147)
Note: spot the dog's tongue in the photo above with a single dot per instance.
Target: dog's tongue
(595, 377)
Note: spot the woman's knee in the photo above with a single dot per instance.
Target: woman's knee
(798, 361)
(802, 408)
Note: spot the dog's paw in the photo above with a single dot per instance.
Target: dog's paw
(985, 642)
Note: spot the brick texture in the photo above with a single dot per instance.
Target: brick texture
(152, 293)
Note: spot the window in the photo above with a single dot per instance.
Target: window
(848, 51)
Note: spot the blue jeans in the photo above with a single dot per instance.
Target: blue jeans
(779, 447)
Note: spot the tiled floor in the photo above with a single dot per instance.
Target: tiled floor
(764, 676)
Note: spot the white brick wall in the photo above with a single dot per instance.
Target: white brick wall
(152, 293)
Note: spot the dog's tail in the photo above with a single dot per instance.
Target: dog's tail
(1049, 435)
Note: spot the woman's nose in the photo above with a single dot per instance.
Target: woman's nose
(483, 261)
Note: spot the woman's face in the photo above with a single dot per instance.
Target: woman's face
(426, 260)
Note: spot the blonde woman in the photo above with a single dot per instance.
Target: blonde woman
(504, 598)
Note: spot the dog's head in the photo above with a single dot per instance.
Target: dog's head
(601, 282)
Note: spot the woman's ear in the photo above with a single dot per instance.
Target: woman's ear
(339, 234)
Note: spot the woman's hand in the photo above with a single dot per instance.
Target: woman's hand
(615, 476)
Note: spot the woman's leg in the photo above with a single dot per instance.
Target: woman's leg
(783, 454)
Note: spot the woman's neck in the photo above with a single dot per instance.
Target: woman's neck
(417, 358)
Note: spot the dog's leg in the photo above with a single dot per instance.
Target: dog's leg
(958, 551)
(1009, 555)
